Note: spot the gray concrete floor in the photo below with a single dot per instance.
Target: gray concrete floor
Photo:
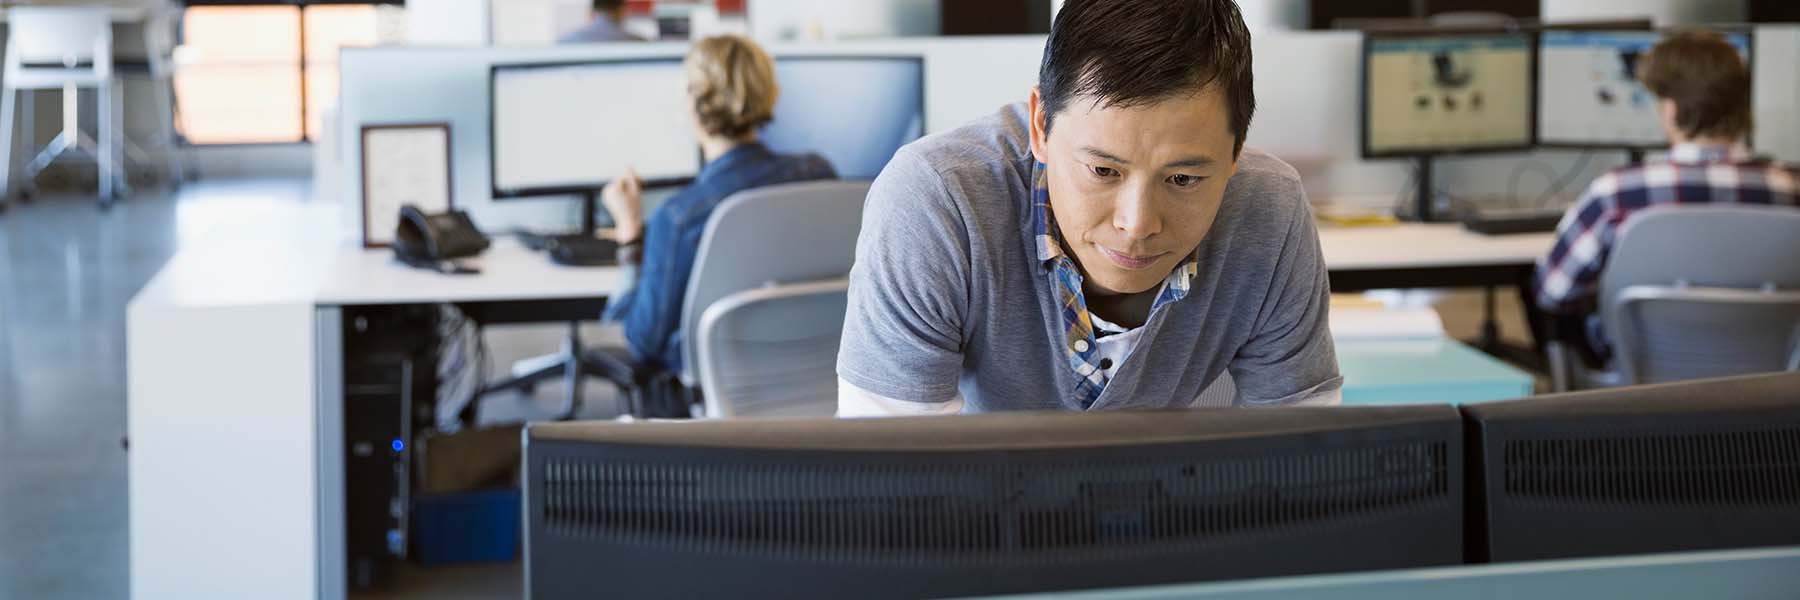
(66, 272)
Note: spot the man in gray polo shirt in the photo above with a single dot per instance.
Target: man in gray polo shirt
(1108, 245)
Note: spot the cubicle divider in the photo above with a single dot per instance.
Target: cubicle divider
(1306, 90)
(965, 78)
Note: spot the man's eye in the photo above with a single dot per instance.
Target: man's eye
(1185, 180)
(1106, 172)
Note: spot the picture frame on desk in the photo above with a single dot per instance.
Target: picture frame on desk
(404, 163)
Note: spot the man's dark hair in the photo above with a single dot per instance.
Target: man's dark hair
(1707, 79)
(1124, 53)
(608, 5)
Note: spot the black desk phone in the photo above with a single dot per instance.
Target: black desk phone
(435, 242)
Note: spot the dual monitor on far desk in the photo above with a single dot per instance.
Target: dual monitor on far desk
(569, 128)
(1431, 93)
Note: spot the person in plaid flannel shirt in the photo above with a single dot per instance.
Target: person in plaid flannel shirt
(1702, 89)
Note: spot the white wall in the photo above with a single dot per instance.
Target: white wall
(970, 77)
(447, 22)
(818, 20)
(1777, 89)
(516, 22)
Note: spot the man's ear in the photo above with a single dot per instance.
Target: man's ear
(1668, 114)
(1040, 138)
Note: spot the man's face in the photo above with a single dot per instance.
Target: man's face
(1135, 190)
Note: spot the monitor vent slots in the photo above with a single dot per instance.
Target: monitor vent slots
(985, 512)
(1747, 469)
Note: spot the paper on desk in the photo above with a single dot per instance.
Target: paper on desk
(1349, 324)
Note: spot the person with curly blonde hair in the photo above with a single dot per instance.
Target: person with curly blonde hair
(732, 90)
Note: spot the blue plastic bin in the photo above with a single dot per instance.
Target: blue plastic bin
(466, 527)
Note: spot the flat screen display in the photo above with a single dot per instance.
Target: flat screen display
(1447, 94)
(1588, 91)
(570, 128)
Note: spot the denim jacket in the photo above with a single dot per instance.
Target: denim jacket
(651, 309)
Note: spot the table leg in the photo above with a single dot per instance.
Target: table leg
(1490, 322)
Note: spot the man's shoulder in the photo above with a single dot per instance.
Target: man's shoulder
(976, 174)
(994, 146)
(1265, 193)
(1263, 171)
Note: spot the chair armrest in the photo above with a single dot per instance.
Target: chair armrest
(718, 406)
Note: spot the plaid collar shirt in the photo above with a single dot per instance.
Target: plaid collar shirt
(1080, 343)
(1568, 278)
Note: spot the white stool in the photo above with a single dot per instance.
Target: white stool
(64, 48)
(159, 44)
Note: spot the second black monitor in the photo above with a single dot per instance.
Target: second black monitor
(856, 111)
(1447, 93)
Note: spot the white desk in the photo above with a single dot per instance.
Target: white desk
(1424, 255)
(509, 272)
(1426, 245)
(1433, 255)
(234, 359)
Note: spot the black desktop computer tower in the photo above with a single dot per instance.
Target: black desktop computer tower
(389, 382)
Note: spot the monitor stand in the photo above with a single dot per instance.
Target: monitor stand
(1425, 198)
(590, 203)
(584, 248)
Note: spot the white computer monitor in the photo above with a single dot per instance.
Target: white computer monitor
(856, 111)
(1442, 93)
(1588, 92)
(569, 128)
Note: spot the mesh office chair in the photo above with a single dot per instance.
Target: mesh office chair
(1695, 292)
(67, 48)
(766, 304)
(765, 308)
(772, 260)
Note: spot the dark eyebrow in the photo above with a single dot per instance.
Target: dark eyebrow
(1197, 162)
(1103, 155)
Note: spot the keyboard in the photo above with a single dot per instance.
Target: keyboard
(1511, 222)
(573, 249)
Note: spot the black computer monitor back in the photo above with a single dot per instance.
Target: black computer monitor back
(1690, 466)
(977, 505)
